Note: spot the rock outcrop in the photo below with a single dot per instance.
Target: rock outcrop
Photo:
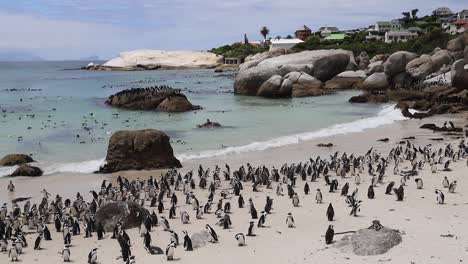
(376, 82)
(139, 150)
(396, 63)
(346, 80)
(153, 98)
(130, 214)
(26, 170)
(15, 159)
(458, 75)
(160, 59)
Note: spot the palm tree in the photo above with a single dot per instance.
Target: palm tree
(264, 31)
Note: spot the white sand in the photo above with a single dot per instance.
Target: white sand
(419, 217)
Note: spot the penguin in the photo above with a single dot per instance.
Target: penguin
(295, 200)
(370, 192)
(46, 232)
(345, 189)
(165, 224)
(3, 245)
(318, 196)
(445, 182)
(434, 167)
(92, 256)
(330, 212)
(452, 186)
(262, 219)
(214, 236)
(170, 251)
(131, 260)
(100, 231)
(306, 189)
(329, 235)
(251, 228)
(389, 188)
(66, 253)
(187, 242)
(419, 183)
(440, 196)
(290, 221)
(18, 245)
(11, 187)
(58, 224)
(240, 201)
(400, 193)
(174, 237)
(184, 217)
(240, 239)
(37, 243)
(13, 254)
(357, 179)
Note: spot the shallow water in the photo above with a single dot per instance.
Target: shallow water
(70, 100)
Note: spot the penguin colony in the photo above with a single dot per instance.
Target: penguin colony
(69, 219)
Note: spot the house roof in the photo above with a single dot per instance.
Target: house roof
(336, 37)
(400, 33)
(328, 28)
(461, 22)
(414, 29)
(304, 28)
(384, 23)
(286, 41)
(443, 9)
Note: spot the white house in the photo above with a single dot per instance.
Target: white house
(284, 43)
(399, 36)
(442, 11)
(327, 31)
(458, 26)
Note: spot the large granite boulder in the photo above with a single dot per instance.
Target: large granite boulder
(375, 67)
(371, 242)
(304, 85)
(152, 98)
(321, 64)
(139, 150)
(346, 80)
(456, 44)
(421, 67)
(465, 54)
(128, 213)
(271, 87)
(379, 57)
(26, 170)
(376, 82)
(458, 75)
(364, 60)
(396, 63)
(15, 159)
(441, 58)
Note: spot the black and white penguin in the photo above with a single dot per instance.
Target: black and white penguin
(37, 243)
(131, 260)
(184, 217)
(251, 229)
(46, 232)
(66, 253)
(100, 231)
(13, 254)
(440, 196)
(330, 212)
(306, 188)
(3, 244)
(389, 188)
(240, 239)
(240, 201)
(165, 224)
(92, 256)
(262, 219)
(419, 183)
(295, 200)
(187, 242)
(318, 196)
(11, 187)
(58, 223)
(170, 251)
(400, 193)
(174, 237)
(329, 235)
(453, 187)
(290, 221)
(214, 236)
(445, 182)
(345, 189)
(370, 192)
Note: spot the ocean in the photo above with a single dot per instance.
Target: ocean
(46, 107)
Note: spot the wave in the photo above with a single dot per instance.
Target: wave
(387, 115)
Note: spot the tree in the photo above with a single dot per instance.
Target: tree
(414, 13)
(278, 37)
(264, 31)
(289, 37)
(406, 16)
(246, 40)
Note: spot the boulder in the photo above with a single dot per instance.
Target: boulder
(379, 57)
(176, 104)
(375, 67)
(396, 63)
(139, 150)
(458, 75)
(270, 88)
(15, 159)
(305, 85)
(327, 67)
(364, 61)
(457, 55)
(347, 80)
(286, 88)
(456, 44)
(200, 239)
(402, 80)
(128, 213)
(376, 82)
(370, 242)
(26, 170)
(249, 81)
(465, 54)
(421, 67)
(441, 58)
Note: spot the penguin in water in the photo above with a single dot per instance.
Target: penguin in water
(13, 254)
(37, 243)
(290, 221)
(452, 186)
(440, 196)
(170, 251)
(66, 253)
(329, 235)
(419, 183)
(330, 212)
(240, 239)
(318, 196)
(187, 242)
(251, 228)
(92, 256)
(214, 236)
(445, 182)
(370, 192)
(262, 219)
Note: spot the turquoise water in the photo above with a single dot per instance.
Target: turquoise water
(71, 99)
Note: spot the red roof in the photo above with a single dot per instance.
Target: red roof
(461, 22)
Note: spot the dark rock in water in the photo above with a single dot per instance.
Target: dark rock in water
(328, 67)
(130, 214)
(322, 145)
(152, 98)
(369, 98)
(139, 150)
(15, 159)
(360, 99)
(209, 124)
(26, 170)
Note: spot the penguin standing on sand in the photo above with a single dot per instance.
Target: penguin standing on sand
(92, 256)
(240, 201)
(329, 235)
(240, 239)
(318, 196)
(440, 196)
(3, 244)
(11, 187)
(295, 200)
(290, 221)
(306, 188)
(58, 223)
(452, 186)
(419, 183)
(37, 243)
(187, 242)
(214, 236)
(262, 219)
(66, 253)
(46, 232)
(165, 224)
(445, 182)
(174, 237)
(100, 231)
(330, 212)
(13, 254)
(370, 192)
(251, 228)
(170, 251)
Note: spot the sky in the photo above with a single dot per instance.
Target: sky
(73, 29)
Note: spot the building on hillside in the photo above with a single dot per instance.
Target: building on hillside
(445, 21)
(399, 36)
(416, 30)
(442, 12)
(284, 43)
(396, 24)
(463, 14)
(232, 61)
(335, 37)
(303, 32)
(327, 31)
(371, 37)
(458, 26)
(383, 26)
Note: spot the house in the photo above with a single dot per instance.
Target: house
(303, 32)
(396, 24)
(416, 30)
(442, 12)
(232, 61)
(458, 26)
(284, 43)
(335, 37)
(399, 36)
(326, 31)
(372, 37)
(463, 14)
(383, 26)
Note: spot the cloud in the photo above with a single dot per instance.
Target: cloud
(68, 29)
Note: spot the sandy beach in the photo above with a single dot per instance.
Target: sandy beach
(423, 223)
